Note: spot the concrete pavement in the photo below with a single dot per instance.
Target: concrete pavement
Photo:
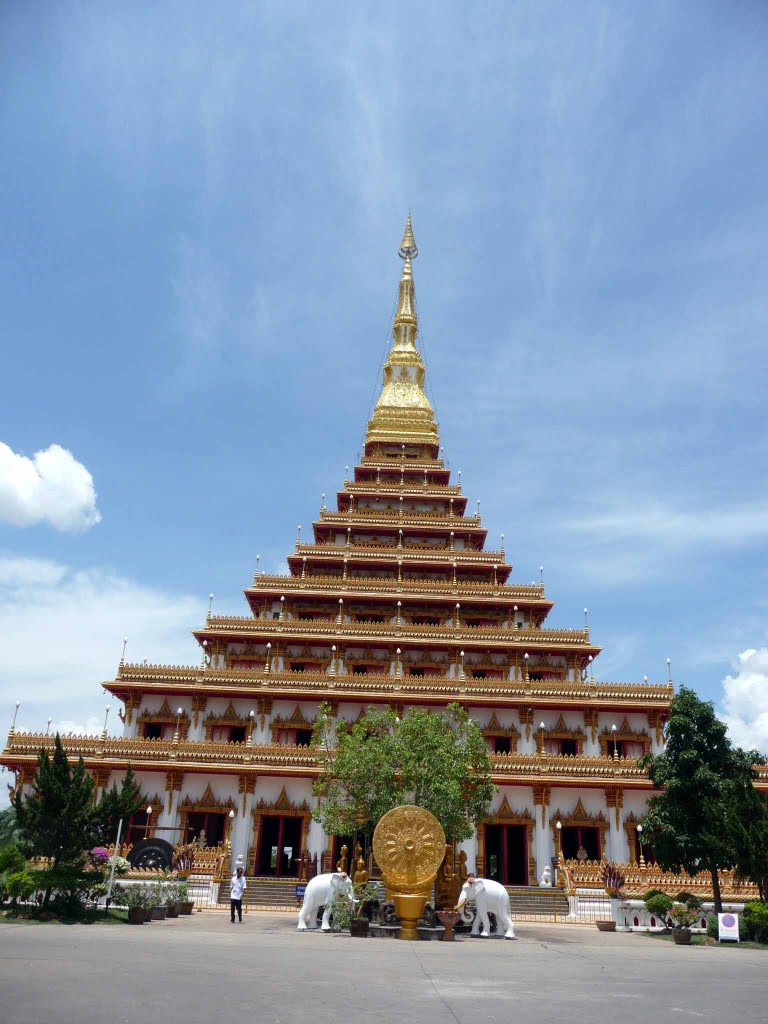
(205, 969)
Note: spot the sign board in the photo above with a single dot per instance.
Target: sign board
(300, 890)
(728, 927)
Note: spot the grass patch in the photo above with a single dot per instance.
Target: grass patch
(703, 940)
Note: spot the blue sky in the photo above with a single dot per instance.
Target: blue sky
(201, 210)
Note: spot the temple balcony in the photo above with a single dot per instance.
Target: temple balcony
(523, 769)
(394, 517)
(394, 632)
(413, 488)
(407, 552)
(385, 687)
(374, 585)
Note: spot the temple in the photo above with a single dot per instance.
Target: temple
(396, 598)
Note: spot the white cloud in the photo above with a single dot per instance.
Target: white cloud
(661, 523)
(745, 700)
(50, 487)
(67, 629)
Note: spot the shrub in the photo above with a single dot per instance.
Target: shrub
(756, 919)
(70, 888)
(20, 886)
(652, 892)
(688, 900)
(713, 931)
(659, 905)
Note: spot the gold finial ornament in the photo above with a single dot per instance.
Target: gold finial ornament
(408, 244)
(409, 847)
(403, 413)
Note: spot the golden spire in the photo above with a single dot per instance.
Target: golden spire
(403, 413)
(408, 244)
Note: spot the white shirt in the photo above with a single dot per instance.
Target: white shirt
(237, 887)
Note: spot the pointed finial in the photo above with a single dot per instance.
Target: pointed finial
(408, 249)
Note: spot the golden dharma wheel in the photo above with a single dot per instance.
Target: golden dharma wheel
(409, 846)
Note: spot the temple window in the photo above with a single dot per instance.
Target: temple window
(155, 730)
(359, 670)
(479, 673)
(298, 666)
(303, 737)
(501, 744)
(416, 672)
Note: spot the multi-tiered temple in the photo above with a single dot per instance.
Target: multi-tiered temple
(394, 600)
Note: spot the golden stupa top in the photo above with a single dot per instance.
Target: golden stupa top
(403, 413)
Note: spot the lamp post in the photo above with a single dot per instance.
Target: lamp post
(615, 750)
(148, 826)
(541, 726)
(48, 730)
(640, 841)
(229, 834)
(251, 718)
(559, 827)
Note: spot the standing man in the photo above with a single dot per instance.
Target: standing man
(236, 890)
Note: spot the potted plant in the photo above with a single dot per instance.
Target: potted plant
(186, 905)
(351, 914)
(172, 899)
(686, 911)
(157, 902)
(613, 881)
(134, 899)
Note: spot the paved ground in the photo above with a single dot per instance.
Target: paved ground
(204, 969)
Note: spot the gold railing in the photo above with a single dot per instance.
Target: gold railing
(391, 517)
(408, 552)
(638, 880)
(391, 630)
(447, 688)
(374, 584)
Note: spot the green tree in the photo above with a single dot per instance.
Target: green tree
(696, 776)
(437, 761)
(747, 825)
(116, 804)
(9, 829)
(56, 819)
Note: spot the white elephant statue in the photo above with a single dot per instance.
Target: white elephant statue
(545, 882)
(321, 891)
(489, 897)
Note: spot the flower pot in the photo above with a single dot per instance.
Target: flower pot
(185, 909)
(136, 915)
(173, 910)
(682, 936)
(358, 927)
(606, 926)
(159, 913)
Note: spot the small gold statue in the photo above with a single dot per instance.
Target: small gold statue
(341, 863)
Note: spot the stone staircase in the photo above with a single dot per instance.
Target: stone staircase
(265, 893)
(527, 901)
(542, 904)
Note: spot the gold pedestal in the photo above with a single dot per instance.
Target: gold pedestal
(409, 906)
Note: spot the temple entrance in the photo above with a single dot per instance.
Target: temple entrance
(212, 823)
(279, 846)
(580, 838)
(505, 853)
